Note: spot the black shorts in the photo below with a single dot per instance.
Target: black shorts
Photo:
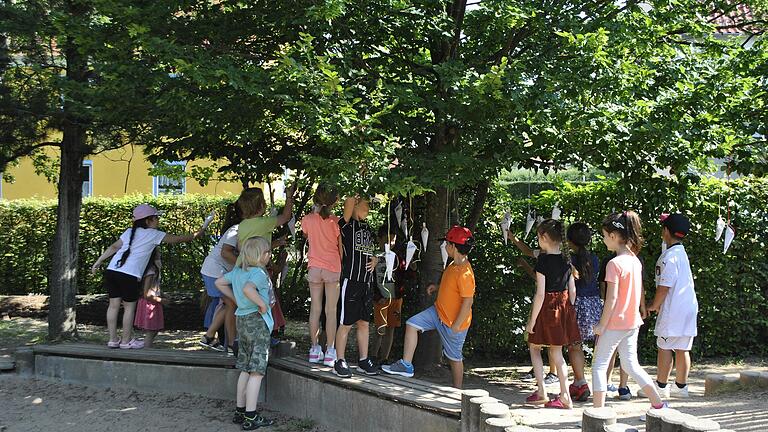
(356, 302)
(122, 285)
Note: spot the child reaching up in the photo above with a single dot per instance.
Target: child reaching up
(250, 286)
(553, 318)
(149, 310)
(620, 321)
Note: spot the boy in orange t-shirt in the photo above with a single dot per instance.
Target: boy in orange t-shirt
(451, 314)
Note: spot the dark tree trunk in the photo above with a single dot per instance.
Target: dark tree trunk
(478, 203)
(62, 282)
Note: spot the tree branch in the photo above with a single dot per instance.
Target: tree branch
(478, 203)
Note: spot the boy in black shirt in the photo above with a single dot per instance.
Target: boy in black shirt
(357, 272)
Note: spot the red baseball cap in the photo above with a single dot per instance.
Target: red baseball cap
(458, 235)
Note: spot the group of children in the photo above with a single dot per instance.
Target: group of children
(348, 284)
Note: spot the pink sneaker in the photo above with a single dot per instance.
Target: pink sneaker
(115, 344)
(132, 344)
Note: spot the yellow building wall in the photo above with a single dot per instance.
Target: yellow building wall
(115, 173)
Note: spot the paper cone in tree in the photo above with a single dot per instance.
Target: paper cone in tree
(444, 253)
(410, 250)
(730, 233)
(391, 258)
(292, 226)
(273, 212)
(404, 226)
(556, 212)
(505, 226)
(399, 211)
(719, 228)
(424, 237)
(529, 220)
(208, 220)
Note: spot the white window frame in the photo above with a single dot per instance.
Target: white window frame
(89, 191)
(157, 179)
(1, 185)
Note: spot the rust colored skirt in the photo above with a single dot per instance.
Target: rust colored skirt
(556, 323)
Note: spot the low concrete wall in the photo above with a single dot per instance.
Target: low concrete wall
(217, 383)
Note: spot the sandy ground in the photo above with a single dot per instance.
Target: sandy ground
(49, 405)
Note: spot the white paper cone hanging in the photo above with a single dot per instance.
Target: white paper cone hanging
(292, 226)
(505, 226)
(444, 253)
(529, 220)
(273, 212)
(391, 258)
(404, 226)
(424, 237)
(399, 211)
(556, 212)
(730, 233)
(719, 228)
(410, 251)
(208, 220)
(539, 220)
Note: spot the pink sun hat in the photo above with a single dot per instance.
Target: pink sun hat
(144, 211)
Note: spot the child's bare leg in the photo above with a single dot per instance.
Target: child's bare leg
(230, 325)
(576, 355)
(242, 383)
(252, 391)
(112, 311)
(332, 293)
(664, 361)
(341, 340)
(376, 341)
(315, 308)
(556, 355)
(216, 322)
(386, 343)
(457, 373)
(149, 338)
(538, 368)
(623, 378)
(129, 310)
(682, 366)
(362, 339)
(411, 340)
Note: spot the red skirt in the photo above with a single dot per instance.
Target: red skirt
(556, 323)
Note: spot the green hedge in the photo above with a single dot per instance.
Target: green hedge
(732, 289)
(29, 226)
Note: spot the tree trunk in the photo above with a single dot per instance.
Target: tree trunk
(62, 282)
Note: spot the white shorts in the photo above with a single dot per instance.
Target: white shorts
(682, 343)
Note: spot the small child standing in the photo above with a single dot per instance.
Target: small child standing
(357, 268)
(149, 310)
(388, 299)
(251, 287)
(451, 315)
(323, 271)
(620, 322)
(677, 306)
(553, 318)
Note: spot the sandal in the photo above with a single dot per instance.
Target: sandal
(132, 344)
(535, 399)
(557, 403)
(115, 344)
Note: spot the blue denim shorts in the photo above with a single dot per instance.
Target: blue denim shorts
(210, 286)
(453, 343)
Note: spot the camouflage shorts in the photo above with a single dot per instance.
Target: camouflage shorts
(254, 337)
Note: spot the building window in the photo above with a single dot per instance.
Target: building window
(174, 183)
(86, 174)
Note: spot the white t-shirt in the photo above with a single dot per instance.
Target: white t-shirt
(215, 265)
(144, 242)
(677, 316)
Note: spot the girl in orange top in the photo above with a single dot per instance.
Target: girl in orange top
(620, 322)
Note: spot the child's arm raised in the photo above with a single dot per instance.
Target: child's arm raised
(538, 301)
(111, 250)
(287, 213)
(349, 208)
(252, 293)
(524, 248)
(523, 264)
(225, 287)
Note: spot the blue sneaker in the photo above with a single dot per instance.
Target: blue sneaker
(612, 388)
(625, 394)
(400, 367)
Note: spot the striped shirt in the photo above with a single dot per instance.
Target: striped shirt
(359, 246)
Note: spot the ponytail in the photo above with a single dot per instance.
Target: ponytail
(141, 223)
(581, 236)
(628, 225)
(325, 197)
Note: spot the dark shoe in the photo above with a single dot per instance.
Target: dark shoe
(256, 422)
(340, 368)
(367, 367)
(529, 376)
(239, 417)
(211, 343)
(551, 379)
(232, 350)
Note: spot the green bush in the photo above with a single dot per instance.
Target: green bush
(732, 288)
(29, 227)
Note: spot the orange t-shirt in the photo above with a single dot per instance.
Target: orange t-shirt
(323, 237)
(457, 283)
(627, 272)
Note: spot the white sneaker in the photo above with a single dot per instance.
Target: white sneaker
(680, 392)
(663, 392)
(330, 357)
(315, 354)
